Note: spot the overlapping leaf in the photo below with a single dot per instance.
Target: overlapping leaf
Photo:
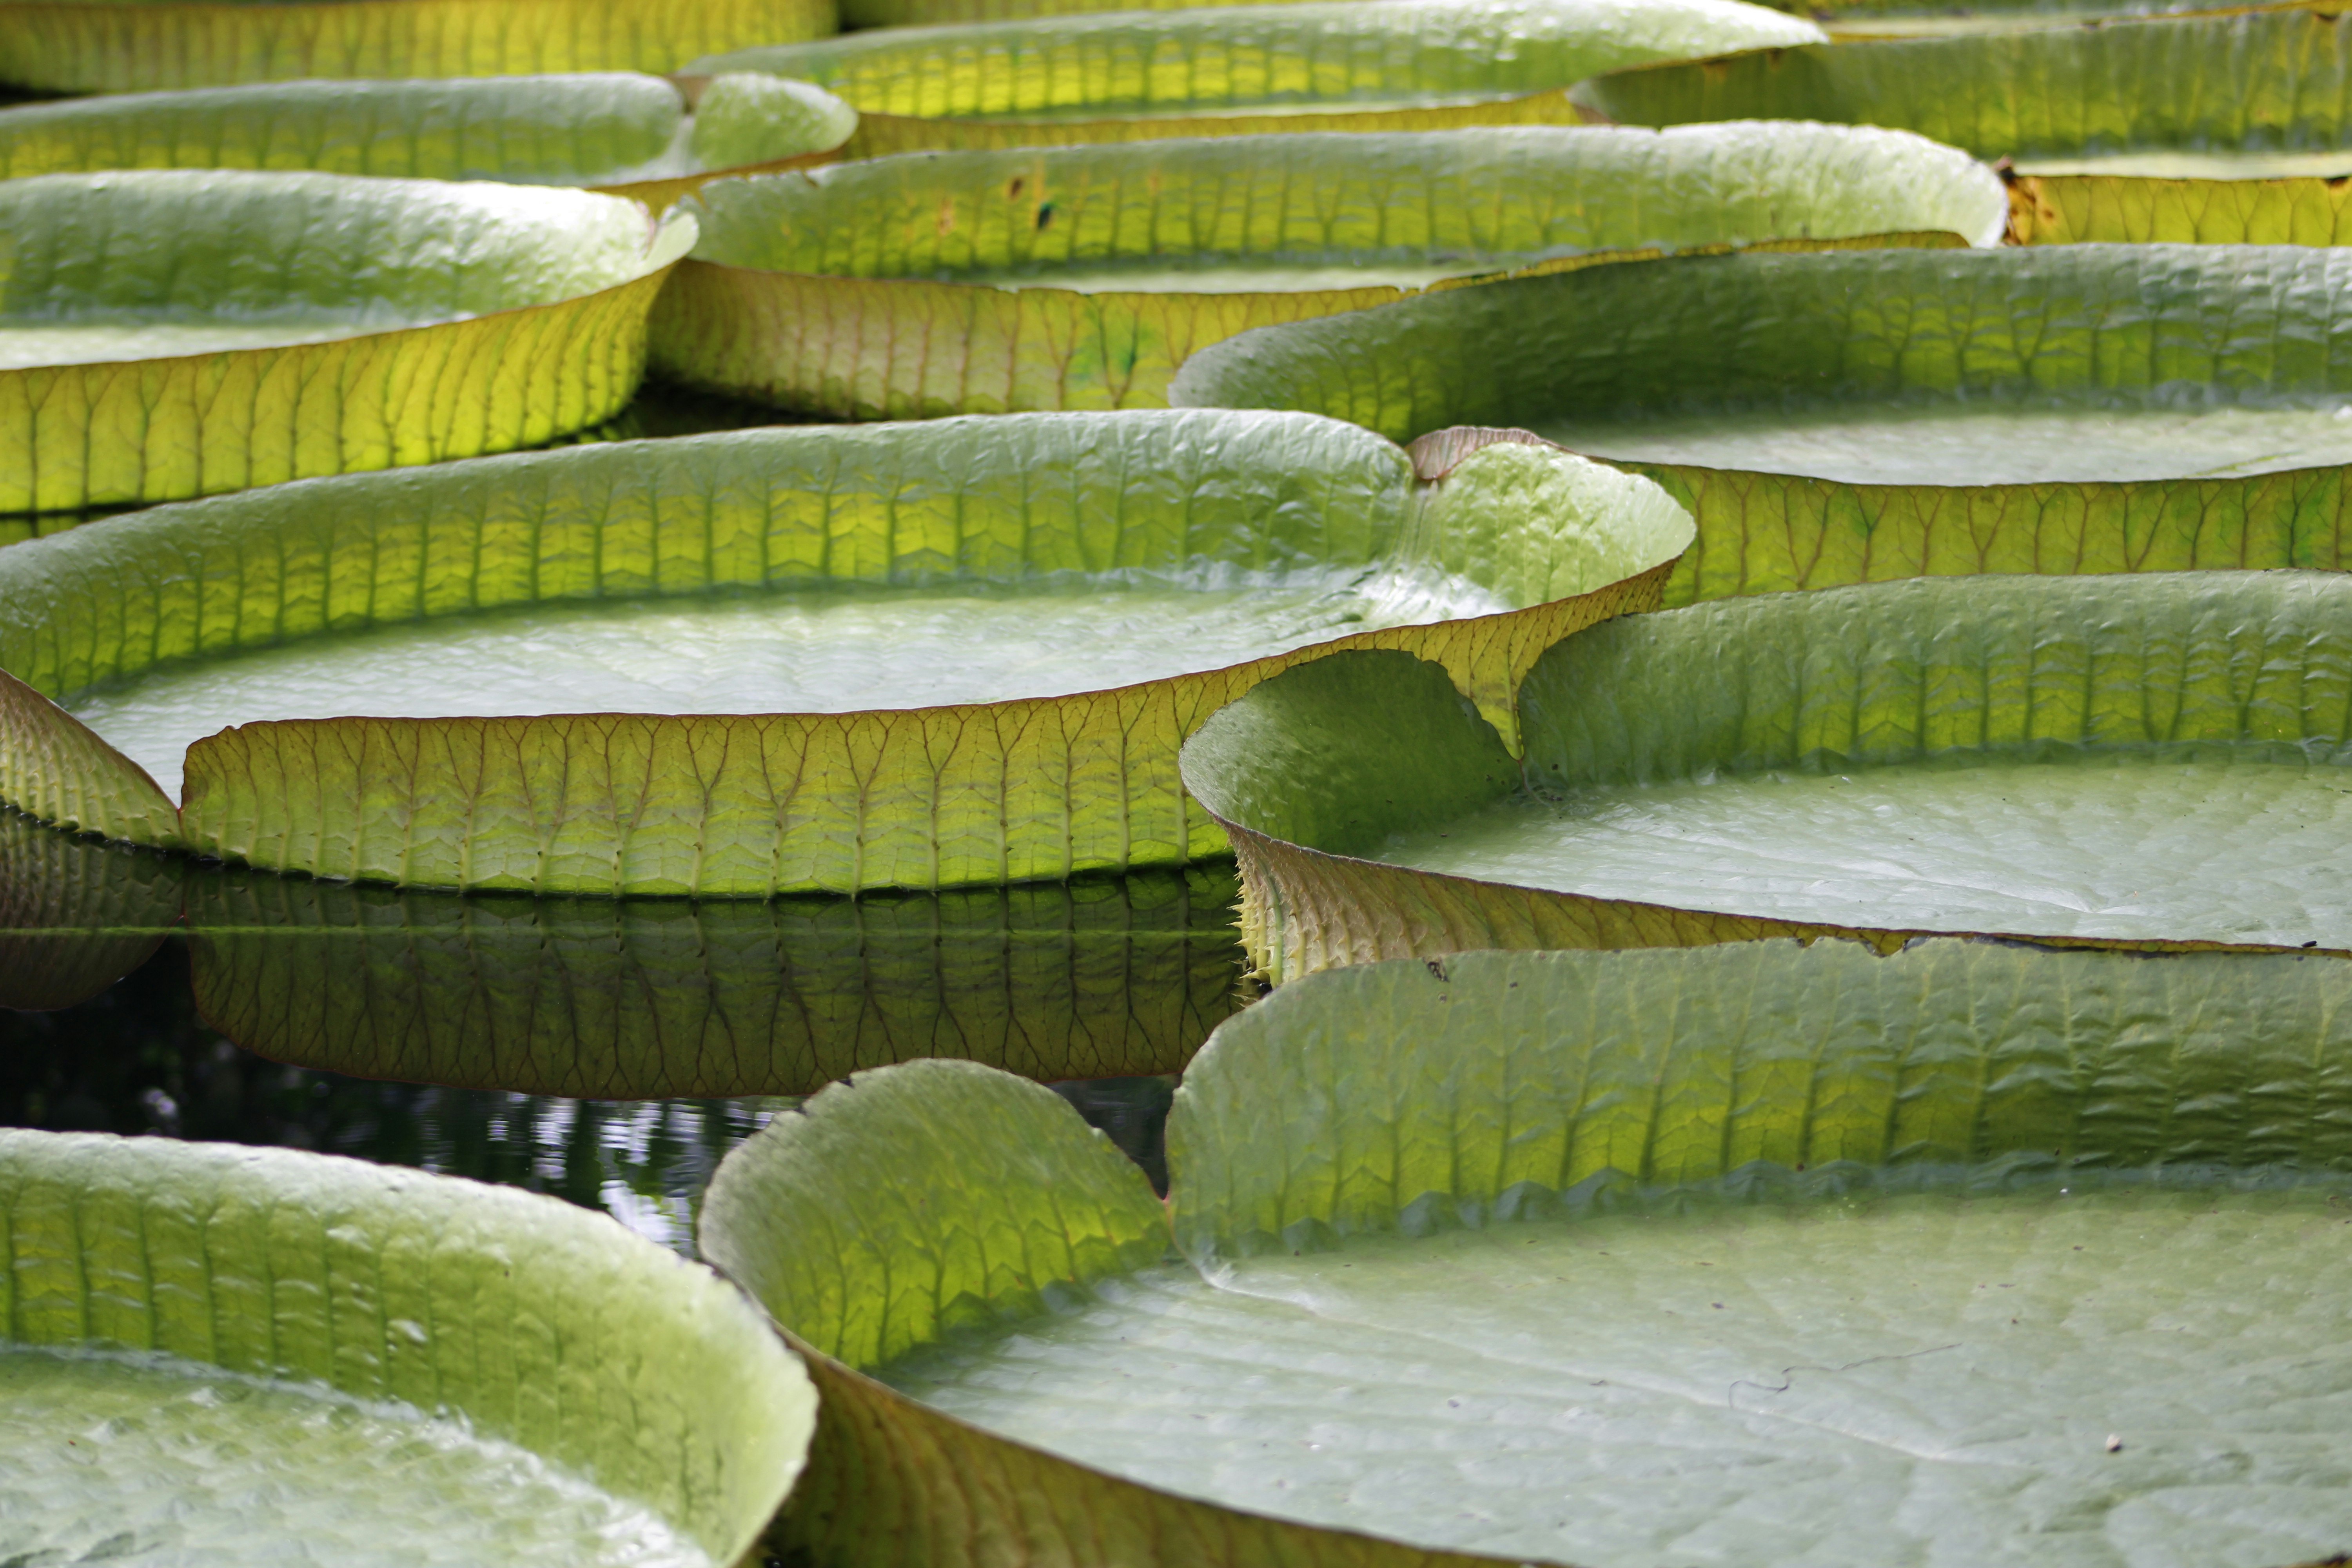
(368, 1291)
(1245, 69)
(2253, 83)
(93, 46)
(2143, 761)
(173, 333)
(1868, 19)
(2069, 409)
(981, 283)
(623, 133)
(1363, 1336)
(2119, 209)
(761, 801)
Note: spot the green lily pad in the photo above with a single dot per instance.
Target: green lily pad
(176, 333)
(2136, 760)
(1860, 19)
(1082, 276)
(1868, 18)
(1852, 415)
(2222, 129)
(103, 46)
(782, 661)
(1236, 69)
(635, 999)
(2184, 201)
(623, 133)
(1745, 1255)
(2259, 84)
(218, 1351)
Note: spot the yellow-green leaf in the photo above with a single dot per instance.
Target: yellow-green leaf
(616, 131)
(1191, 72)
(2251, 86)
(96, 45)
(1392, 1184)
(425, 1322)
(176, 333)
(1081, 278)
(2145, 761)
(1030, 762)
(1854, 416)
(2123, 209)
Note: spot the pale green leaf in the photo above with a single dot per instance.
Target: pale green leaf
(516, 1379)
(612, 130)
(1082, 276)
(1859, 1254)
(101, 45)
(1186, 72)
(176, 332)
(827, 659)
(2136, 760)
(1858, 414)
(2252, 83)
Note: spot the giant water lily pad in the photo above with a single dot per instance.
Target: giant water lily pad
(2241, 89)
(1868, 19)
(1847, 415)
(1082, 276)
(623, 133)
(98, 46)
(176, 333)
(2124, 127)
(217, 1352)
(639, 998)
(1336, 65)
(1753, 1254)
(2135, 760)
(783, 660)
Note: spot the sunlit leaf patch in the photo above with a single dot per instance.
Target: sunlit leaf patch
(1756, 1253)
(1082, 276)
(178, 333)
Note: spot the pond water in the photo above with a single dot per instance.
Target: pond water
(609, 1053)
(142, 994)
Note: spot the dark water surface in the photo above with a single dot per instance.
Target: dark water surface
(609, 1052)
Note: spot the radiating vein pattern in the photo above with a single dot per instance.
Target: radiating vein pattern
(1083, 277)
(176, 333)
(1763, 1253)
(1227, 58)
(784, 653)
(272, 1318)
(67, 46)
(2264, 81)
(2072, 363)
(725, 572)
(2153, 759)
